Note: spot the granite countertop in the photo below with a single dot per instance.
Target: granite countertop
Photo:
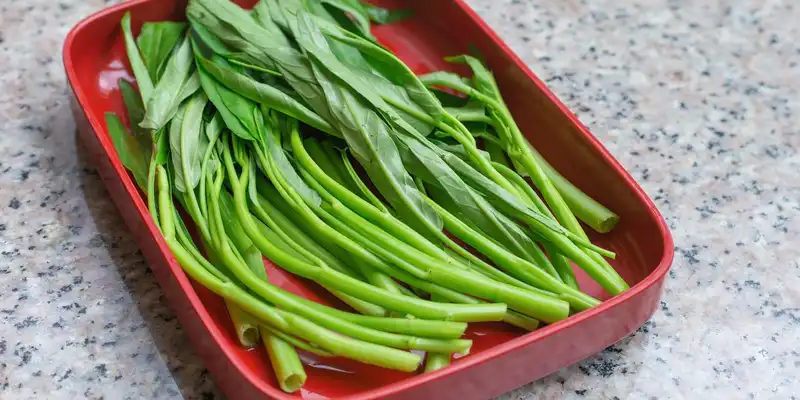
(699, 100)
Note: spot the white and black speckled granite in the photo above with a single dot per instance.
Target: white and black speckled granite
(700, 100)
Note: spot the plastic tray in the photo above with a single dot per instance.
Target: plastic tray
(502, 357)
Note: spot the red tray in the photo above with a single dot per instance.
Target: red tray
(502, 357)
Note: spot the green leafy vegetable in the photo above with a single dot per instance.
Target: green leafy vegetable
(156, 41)
(170, 90)
(131, 153)
(228, 124)
(135, 58)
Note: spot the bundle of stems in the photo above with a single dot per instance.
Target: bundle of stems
(288, 132)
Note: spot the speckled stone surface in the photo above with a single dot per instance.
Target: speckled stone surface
(698, 99)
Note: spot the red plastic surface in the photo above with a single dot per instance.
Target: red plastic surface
(502, 357)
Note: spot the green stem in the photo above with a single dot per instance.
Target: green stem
(290, 195)
(513, 264)
(246, 326)
(416, 327)
(562, 266)
(594, 265)
(203, 173)
(357, 304)
(152, 198)
(532, 303)
(334, 343)
(387, 221)
(557, 261)
(334, 279)
(324, 316)
(436, 361)
(511, 317)
(359, 205)
(285, 363)
(335, 236)
(521, 321)
(588, 210)
(300, 344)
(165, 203)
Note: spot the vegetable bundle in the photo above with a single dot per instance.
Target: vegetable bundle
(288, 132)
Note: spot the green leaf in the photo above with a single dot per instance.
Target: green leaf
(265, 94)
(235, 110)
(212, 43)
(130, 152)
(371, 143)
(354, 10)
(268, 45)
(425, 163)
(378, 153)
(135, 58)
(135, 108)
(174, 130)
(214, 129)
(483, 80)
(190, 86)
(458, 149)
(443, 78)
(400, 87)
(206, 45)
(473, 111)
(188, 143)
(161, 145)
(156, 41)
(236, 28)
(169, 92)
(383, 16)
(501, 198)
(332, 16)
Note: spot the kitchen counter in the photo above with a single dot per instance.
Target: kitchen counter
(700, 101)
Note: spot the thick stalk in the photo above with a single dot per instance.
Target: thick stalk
(559, 263)
(285, 363)
(415, 327)
(335, 343)
(245, 325)
(539, 305)
(313, 254)
(298, 343)
(436, 361)
(385, 220)
(326, 316)
(359, 205)
(341, 236)
(332, 342)
(152, 198)
(514, 265)
(594, 265)
(376, 278)
(564, 215)
(584, 207)
(165, 203)
(336, 280)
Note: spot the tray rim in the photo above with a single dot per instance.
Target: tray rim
(655, 277)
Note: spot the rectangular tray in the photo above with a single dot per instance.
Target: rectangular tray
(502, 357)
